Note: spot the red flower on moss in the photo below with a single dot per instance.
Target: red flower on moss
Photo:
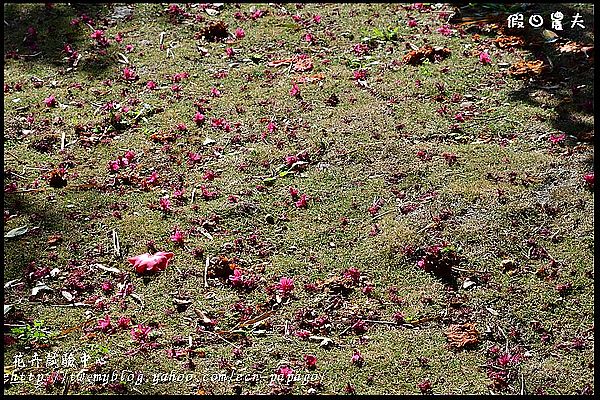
(302, 201)
(589, 179)
(285, 286)
(425, 386)
(151, 263)
(310, 361)
(129, 74)
(357, 358)
(104, 323)
(50, 101)
(295, 91)
(485, 58)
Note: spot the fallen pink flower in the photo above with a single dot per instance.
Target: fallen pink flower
(285, 286)
(50, 101)
(357, 358)
(285, 371)
(558, 139)
(589, 179)
(294, 192)
(239, 33)
(124, 322)
(129, 74)
(141, 333)
(295, 90)
(153, 177)
(104, 324)
(151, 263)
(107, 286)
(302, 202)
(412, 23)
(198, 118)
(360, 74)
(310, 361)
(209, 175)
(424, 386)
(178, 237)
(165, 204)
(444, 30)
(484, 58)
(151, 85)
(97, 34)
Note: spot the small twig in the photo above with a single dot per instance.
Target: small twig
(382, 214)
(193, 194)
(117, 247)
(522, 385)
(206, 271)
(62, 139)
(380, 322)
(220, 337)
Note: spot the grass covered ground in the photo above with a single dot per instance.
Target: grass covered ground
(349, 210)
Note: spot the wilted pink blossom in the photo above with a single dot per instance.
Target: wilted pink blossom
(50, 101)
(484, 58)
(124, 322)
(424, 386)
(360, 74)
(193, 157)
(285, 371)
(152, 178)
(177, 237)
(239, 33)
(147, 263)
(302, 202)
(589, 179)
(357, 358)
(294, 192)
(104, 323)
(310, 361)
(129, 74)
(165, 204)
(140, 333)
(444, 30)
(412, 23)
(285, 286)
(295, 90)
(180, 76)
(558, 138)
(107, 286)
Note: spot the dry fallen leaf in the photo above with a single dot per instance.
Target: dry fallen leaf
(433, 54)
(527, 68)
(310, 79)
(461, 336)
(54, 239)
(509, 41)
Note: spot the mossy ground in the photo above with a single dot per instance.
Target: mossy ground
(510, 195)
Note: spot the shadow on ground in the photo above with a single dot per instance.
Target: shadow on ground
(570, 76)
